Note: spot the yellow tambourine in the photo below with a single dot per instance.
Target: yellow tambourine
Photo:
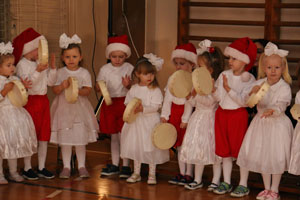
(129, 115)
(164, 136)
(256, 97)
(180, 83)
(71, 93)
(105, 92)
(202, 81)
(18, 95)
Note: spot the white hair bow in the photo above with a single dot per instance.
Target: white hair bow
(204, 46)
(154, 60)
(271, 49)
(64, 40)
(6, 48)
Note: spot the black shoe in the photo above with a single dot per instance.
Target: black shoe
(110, 170)
(30, 175)
(125, 172)
(44, 173)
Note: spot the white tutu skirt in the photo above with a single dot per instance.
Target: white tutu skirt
(136, 142)
(294, 167)
(73, 124)
(198, 145)
(17, 133)
(266, 145)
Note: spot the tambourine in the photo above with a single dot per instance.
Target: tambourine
(180, 83)
(105, 92)
(164, 136)
(43, 51)
(129, 115)
(295, 111)
(18, 95)
(256, 97)
(202, 81)
(71, 93)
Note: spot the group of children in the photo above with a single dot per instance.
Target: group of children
(211, 129)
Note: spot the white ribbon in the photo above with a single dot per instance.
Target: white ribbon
(204, 46)
(64, 40)
(271, 49)
(154, 60)
(6, 48)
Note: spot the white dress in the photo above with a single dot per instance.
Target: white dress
(17, 131)
(73, 124)
(267, 143)
(198, 145)
(294, 167)
(136, 143)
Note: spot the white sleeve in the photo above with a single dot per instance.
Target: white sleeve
(188, 109)
(156, 99)
(87, 79)
(166, 108)
(52, 77)
(283, 100)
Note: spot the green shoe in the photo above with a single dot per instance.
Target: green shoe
(240, 191)
(223, 188)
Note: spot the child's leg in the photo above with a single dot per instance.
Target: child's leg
(275, 182)
(81, 154)
(227, 168)
(198, 173)
(2, 178)
(66, 152)
(42, 154)
(27, 163)
(152, 174)
(182, 165)
(12, 165)
(115, 149)
(267, 181)
(217, 170)
(242, 190)
(28, 173)
(136, 173)
(244, 173)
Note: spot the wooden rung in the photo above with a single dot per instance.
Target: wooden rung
(224, 22)
(217, 39)
(296, 24)
(294, 60)
(289, 42)
(224, 5)
(288, 5)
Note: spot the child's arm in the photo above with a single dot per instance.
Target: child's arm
(7, 87)
(126, 81)
(84, 91)
(52, 73)
(57, 89)
(166, 108)
(188, 108)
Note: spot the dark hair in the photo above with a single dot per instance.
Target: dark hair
(4, 57)
(72, 46)
(143, 66)
(214, 59)
(263, 42)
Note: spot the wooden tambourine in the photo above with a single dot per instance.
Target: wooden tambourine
(129, 116)
(18, 95)
(180, 83)
(255, 98)
(164, 136)
(202, 81)
(295, 111)
(43, 51)
(71, 93)
(105, 93)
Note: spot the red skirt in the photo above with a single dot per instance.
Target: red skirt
(39, 109)
(230, 129)
(111, 117)
(175, 119)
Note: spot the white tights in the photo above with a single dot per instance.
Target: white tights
(274, 178)
(137, 168)
(66, 151)
(184, 168)
(115, 150)
(227, 168)
(42, 154)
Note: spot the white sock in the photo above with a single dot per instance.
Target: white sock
(244, 173)
(80, 153)
(189, 169)
(137, 167)
(12, 165)
(198, 173)
(182, 165)
(1, 167)
(27, 163)
(66, 152)
(267, 181)
(217, 170)
(115, 149)
(152, 170)
(275, 182)
(42, 154)
(125, 162)
(227, 168)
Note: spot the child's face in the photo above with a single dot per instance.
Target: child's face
(145, 79)
(7, 68)
(273, 68)
(236, 65)
(202, 62)
(183, 64)
(32, 55)
(117, 58)
(71, 58)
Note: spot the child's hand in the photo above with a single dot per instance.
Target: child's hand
(255, 89)
(65, 84)
(7, 87)
(163, 120)
(139, 109)
(225, 83)
(97, 88)
(126, 81)
(183, 125)
(52, 61)
(267, 113)
(42, 67)
(27, 83)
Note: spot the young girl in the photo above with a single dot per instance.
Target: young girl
(116, 76)
(17, 132)
(136, 143)
(184, 57)
(266, 146)
(228, 133)
(198, 145)
(73, 124)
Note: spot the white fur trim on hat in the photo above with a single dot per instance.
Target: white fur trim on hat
(180, 53)
(117, 47)
(229, 51)
(32, 45)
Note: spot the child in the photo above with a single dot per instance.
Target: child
(26, 55)
(73, 124)
(198, 145)
(17, 133)
(184, 57)
(116, 75)
(228, 133)
(266, 146)
(136, 143)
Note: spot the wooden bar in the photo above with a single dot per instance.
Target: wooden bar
(183, 28)
(225, 22)
(272, 16)
(288, 5)
(225, 5)
(290, 24)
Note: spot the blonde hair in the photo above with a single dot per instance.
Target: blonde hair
(285, 74)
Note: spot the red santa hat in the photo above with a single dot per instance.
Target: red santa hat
(118, 43)
(186, 51)
(26, 42)
(244, 50)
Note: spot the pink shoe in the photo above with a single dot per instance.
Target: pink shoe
(273, 196)
(262, 195)
(83, 173)
(65, 173)
(3, 181)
